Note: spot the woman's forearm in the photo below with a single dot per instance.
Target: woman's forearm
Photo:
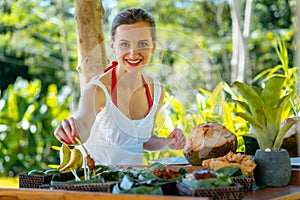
(156, 143)
(176, 140)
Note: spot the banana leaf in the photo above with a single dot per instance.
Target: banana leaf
(58, 181)
(221, 181)
(131, 186)
(156, 165)
(231, 172)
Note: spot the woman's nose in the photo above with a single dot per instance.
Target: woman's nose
(133, 53)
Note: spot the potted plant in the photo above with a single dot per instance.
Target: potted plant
(265, 109)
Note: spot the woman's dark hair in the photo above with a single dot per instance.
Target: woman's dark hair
(132, 16)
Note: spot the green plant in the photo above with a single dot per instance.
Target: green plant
(265, 109)
(27, 123)
(283, 68)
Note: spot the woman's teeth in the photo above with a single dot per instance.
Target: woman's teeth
(134, 61)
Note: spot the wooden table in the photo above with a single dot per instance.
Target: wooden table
(41, 194)
(285, 193)
(281, 193)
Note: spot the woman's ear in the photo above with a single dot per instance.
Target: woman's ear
(112, 46)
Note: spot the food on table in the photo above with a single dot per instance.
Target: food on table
(209, 140)
(204, 174)
(64, 156)
(206, 179)
(75, 162)
(166, 174)
(245, 162)
(90, 162)
(88, 159)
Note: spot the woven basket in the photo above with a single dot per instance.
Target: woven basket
(33, 181)
(88, 187)
(45, 186)
(247, 183)
(67, 176)
(219, 193)
(169, 188)
(43, 181)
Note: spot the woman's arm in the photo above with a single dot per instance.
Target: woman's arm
(92, 99)
(176, 139)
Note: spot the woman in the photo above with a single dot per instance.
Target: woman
(118, 108)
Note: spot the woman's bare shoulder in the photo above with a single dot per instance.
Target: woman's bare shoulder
(95, 91)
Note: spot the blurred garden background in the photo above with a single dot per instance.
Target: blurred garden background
(203, 47)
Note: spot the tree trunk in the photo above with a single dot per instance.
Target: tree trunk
(240, 40)
(90, 39)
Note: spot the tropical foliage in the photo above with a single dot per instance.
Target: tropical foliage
(27, 122)
(266, 109)
(39, 85)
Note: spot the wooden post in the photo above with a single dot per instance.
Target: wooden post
(90, 39)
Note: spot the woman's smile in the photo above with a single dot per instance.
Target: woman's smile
(133, 63)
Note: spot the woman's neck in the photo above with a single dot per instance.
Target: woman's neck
(129, 79)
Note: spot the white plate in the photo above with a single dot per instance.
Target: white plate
(295, 162)
(171, 161)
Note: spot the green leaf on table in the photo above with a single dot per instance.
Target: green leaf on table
(221, 181)
(130, 186)
(156, 165)
(126, 183)
(182, 170)
(230, 171)
(74, 182)
(111, 175)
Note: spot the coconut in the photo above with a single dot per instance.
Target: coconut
(209, 140)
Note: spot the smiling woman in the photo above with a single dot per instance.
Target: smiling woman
(118, 108)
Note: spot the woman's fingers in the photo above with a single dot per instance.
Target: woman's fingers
(177, 139)
(66, 124)
(60, 134)
(66, 131)
(73, 127)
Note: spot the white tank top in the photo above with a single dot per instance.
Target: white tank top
(114, 138)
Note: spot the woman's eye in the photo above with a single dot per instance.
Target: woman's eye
(143, 44)
(124, 44)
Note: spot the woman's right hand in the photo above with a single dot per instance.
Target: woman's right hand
(66, 131)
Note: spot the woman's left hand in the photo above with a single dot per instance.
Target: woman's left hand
(177, 139)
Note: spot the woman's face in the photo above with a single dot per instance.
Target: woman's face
(133, 45)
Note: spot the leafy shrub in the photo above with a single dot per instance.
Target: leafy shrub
(27, 123)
